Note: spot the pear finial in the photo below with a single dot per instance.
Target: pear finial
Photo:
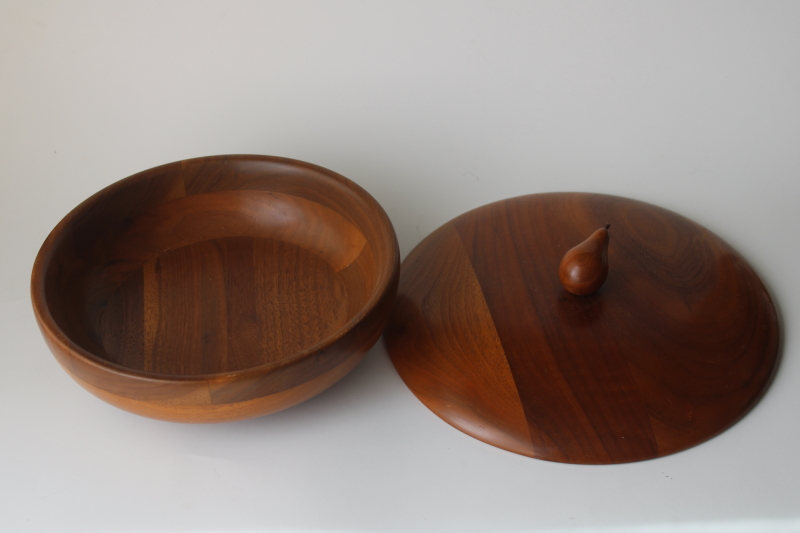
(584, 268)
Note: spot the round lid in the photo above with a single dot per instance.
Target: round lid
(676, 346)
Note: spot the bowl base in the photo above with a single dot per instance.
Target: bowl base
(222, 305)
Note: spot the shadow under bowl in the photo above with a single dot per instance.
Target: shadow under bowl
(217, 289)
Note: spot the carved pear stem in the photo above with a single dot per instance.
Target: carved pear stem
(584, 268)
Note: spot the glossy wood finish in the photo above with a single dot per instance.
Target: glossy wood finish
(677, 345)
(218, 288)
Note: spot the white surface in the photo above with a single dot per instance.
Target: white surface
(434, 108)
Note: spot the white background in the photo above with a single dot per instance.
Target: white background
(434, 108)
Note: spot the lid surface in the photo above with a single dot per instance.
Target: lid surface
(675, 347)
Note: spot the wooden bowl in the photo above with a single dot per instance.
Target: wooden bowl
(217, 289)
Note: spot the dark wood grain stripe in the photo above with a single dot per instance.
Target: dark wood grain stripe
(124, 345)
(151, 314)
(244, 331)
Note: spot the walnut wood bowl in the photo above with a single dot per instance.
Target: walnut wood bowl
(217, 289)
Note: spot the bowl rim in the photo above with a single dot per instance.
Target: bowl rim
(53, 333)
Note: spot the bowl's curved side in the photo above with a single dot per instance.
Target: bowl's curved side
(205, 411)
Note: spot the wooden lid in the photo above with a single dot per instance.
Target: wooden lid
(675, 347)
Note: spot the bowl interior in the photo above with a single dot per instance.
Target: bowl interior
(216, 265)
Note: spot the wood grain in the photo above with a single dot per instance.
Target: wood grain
(217, 288)
(677, 345)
